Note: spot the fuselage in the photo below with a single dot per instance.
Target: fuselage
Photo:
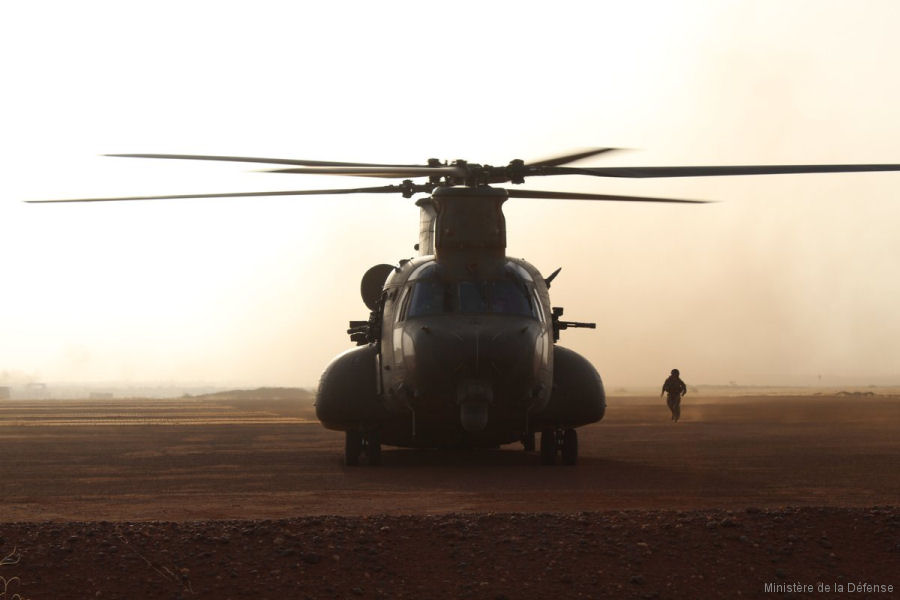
(466, 344)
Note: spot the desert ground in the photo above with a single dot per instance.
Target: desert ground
(244, 495)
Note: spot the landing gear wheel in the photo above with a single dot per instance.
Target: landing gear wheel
(569, 447)
(372, 444)
(352, 447)
(528, 441)
(548, 446)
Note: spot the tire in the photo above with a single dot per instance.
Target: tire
(373, 448)
(352, 447)
(570, 447)
(548, 447)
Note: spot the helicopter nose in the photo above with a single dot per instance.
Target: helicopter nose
(478, 367)
(474, 397)
(479, 350)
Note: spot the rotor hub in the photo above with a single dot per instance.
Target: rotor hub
(477, 175)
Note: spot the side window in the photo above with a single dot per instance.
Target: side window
(536, 307)
(401, 305)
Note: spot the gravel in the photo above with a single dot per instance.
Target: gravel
(623, 554)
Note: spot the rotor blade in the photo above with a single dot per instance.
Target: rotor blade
(567, 158)
(378, 171)
(517, 193)
(704, 171)
(386, 189)
(274, 161)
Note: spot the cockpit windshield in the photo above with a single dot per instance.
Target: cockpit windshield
(429, 297)
(500, 296)
(508, 296)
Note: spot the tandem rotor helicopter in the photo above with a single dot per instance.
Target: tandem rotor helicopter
(460, 347)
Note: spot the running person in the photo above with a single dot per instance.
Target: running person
(675, 389)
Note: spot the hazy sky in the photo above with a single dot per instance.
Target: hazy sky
(787, 279)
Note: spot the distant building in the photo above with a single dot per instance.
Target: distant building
(5, 393)
(101, 396)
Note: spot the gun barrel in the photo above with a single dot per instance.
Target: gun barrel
(567, 324)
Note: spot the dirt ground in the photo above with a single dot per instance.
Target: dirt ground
(245, 496)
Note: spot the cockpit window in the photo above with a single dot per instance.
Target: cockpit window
(429, 293)
(471, 297)
(429, 297)
(518, 271)
(495, 296)
(426, 271)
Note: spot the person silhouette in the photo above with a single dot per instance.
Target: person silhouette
(675, 388)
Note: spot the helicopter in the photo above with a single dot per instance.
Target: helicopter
(460, 347)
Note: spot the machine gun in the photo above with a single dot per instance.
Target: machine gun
(367, 332)
(560, 325)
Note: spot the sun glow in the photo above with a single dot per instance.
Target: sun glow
(790, 277)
